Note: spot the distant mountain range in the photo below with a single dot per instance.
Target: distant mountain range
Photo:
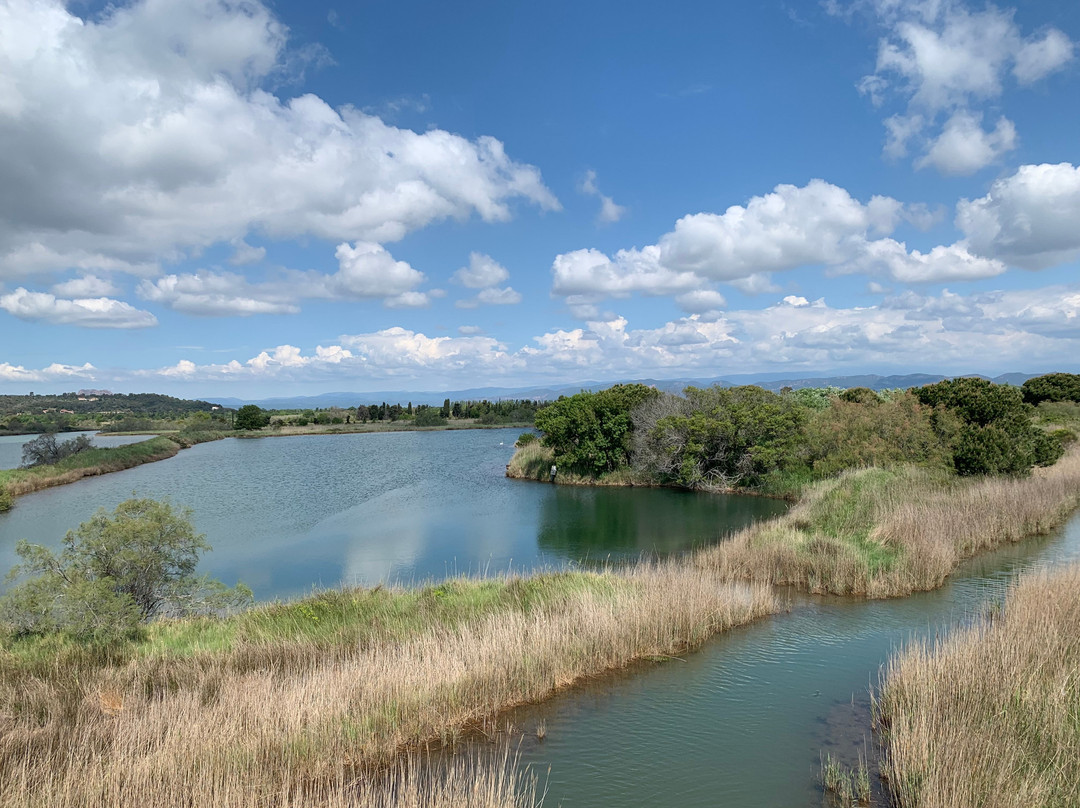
(772, 381)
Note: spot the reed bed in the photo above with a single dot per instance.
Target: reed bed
(533, 462)
(889, 532)
(300, 716)
(989, 716)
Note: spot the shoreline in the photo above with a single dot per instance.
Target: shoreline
(105, 460)
(371, 675)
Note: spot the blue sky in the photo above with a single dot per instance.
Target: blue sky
(204, 197)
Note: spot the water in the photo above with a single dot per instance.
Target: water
(285, 514)
(744, 721)
(11, 445)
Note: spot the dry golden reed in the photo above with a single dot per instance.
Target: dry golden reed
(886, 533)
(265, 725)
(990, 715)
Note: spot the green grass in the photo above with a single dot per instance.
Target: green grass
(344, 618)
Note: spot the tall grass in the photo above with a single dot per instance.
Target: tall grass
(533, 462)
(990, 715)
(885, 533)
(306, 697)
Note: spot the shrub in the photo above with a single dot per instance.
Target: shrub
(251, 417)
(526, 439)
(114, 572)
(1052, 387)
(44, 450)
(429, 416)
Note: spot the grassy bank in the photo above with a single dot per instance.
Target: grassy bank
(885, 533)
(297, 701)
(15, 482)
(533, 462)
(990, 715)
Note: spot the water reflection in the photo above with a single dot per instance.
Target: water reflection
(602, 524)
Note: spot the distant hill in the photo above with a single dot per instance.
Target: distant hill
(150, 405)
(770, 381)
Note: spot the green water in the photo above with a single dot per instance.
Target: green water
(286, 514)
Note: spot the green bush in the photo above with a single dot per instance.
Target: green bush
(591, 432)
(526, 439)
(1052, 387)
(115, 572)
(251, 417)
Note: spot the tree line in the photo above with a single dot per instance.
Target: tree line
(724, 437)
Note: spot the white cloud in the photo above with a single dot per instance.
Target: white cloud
(1040, 57)
(143, 134)
(610, 212)
(963, 147)
(952, 332)
(942, 61)
(818, 223)
(244, 253)
(219, 295)
(367, 270)
(756, 284)
(591, 273)
(470, 330)
(98, 312)
(940, 264)
(408, 300)
(18, 373)
(499, 297)
(701, 301)
(86, 286)
(483, 270)
(1028, 219)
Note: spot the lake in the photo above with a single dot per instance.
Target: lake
(742, 722)
(286, 514)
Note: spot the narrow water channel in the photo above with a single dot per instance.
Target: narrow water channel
(743, 722)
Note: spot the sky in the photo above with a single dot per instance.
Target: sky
(244, 198)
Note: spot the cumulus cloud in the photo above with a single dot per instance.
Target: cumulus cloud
(244, 253)
(590, 272)
(483, 270)
(1028, 219)
(145, 133)
(818, 224)
(609, 211)
(218, 294)
(18, 373)
(86, 286)
(954, 332)
(701, 301)
(98, 312)
(365, 271)
(942, 60)
(963, 147)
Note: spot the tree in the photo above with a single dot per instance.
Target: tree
(251, 417)
(996, 436)
(116, 571)
(44, 450)
(1052, 387)
(591, 432)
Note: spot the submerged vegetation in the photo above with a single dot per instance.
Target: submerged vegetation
(990, 715)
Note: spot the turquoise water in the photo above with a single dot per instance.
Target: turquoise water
(286, 514)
